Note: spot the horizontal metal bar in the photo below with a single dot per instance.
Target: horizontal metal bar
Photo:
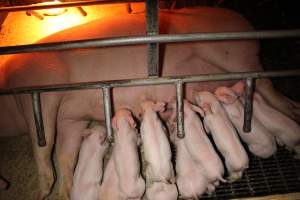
(248, 107)
(108, 113)
(62, 5)
(152, 81)
(180, 107)
(38, 119)
(163, 38)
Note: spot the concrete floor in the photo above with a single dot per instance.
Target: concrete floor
(17, 165)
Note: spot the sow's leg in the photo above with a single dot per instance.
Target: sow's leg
(42, 155)
(69, 136)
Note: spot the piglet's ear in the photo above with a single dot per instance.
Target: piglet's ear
(226, 98)
(198, 110)
(114, 123)
(131, 122)
(86, 133)
(160, 106)
(239, 88)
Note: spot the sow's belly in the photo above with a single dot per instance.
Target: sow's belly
(130, 62)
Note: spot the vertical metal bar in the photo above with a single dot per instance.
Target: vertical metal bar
(248, 108)
(108, 112)
(179, 106)
(37, 113)
(152, 28)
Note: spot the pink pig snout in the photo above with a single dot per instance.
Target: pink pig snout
(123, 114)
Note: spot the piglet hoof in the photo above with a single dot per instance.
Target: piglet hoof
(233, 177)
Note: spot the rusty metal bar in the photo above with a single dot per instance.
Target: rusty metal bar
(108, 112)
(179, 106)
(153, 81)
(152, 28)
(164, 38)
(62, 5)
(38, 118)
(248, 107)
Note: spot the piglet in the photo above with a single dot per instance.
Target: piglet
(157, 154)
(260, 141)
(125, 155)
(286, 130)
(197, 147)
(109, 188)
(89, 169)
(190, 178)
(224, 135)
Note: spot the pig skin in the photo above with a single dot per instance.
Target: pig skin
(109, 188)
(259, 140)
(157, 154)
(190, 178)
(198, 147)
(284, 129)
(126, 158)
(224, 134)
(89, 168)
(70, 112)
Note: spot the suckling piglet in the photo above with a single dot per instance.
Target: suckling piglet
(89, 169)
(223, 133)
(198, 146)
(259, 140)
(109, 188)
(286, 130)
(126, 158)
(157, 154)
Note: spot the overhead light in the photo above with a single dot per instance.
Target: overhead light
(53, 11)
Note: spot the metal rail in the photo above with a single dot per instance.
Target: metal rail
(152, 28)
(63, 5)
(107, 85)
(38, 118)
(248, 107)
(168, 38)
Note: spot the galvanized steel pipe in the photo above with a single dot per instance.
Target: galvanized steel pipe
(168, 38)
(37, 113)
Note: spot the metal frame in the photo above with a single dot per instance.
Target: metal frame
(153, 39)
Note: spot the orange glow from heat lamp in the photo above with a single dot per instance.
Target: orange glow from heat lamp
(53, 11)
(57, 19)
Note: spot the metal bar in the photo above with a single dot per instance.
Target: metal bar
(154, 81)
(62, 5)
(108, 112)
(248, 107)
(179, 106)
(37, 113)
(163, 38)
(152, 28)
